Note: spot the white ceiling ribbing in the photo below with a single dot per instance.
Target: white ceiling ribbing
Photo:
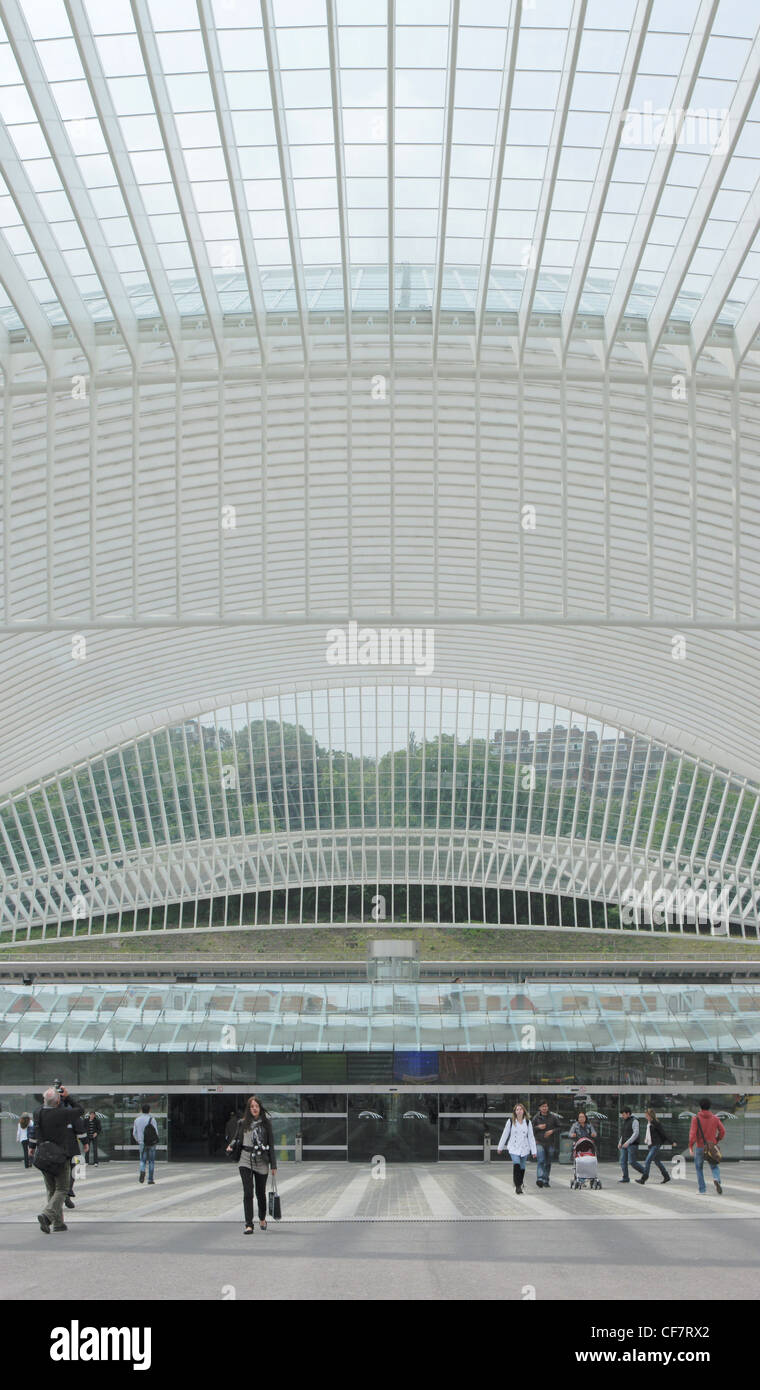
(550, 170)
(744, 96)
(58, 273)
(225, 135)
(497, 169)
(340, 170)
(445, 172)
(730, 266)
(604, 173)
(128, 185)
(232, 163)
(747, 326)
(27, 306)
(182, 187)
(658, 178)
(390, 135)
(66, 165)
(286, 172)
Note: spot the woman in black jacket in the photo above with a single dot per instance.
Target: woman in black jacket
(654, 1140)
(257, 1156)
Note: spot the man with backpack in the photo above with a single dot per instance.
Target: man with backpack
(57, 1128)
(145, 1134)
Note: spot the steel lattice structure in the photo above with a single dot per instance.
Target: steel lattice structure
(215, 171)
(416, 312)
(377, 785)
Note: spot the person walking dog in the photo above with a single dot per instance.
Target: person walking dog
(705, 1134)
(654, 1140)
(57, 1128)
(519, 1140)
(254, 1145)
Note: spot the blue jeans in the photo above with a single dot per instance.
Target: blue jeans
(699, 1164)
(628, 1155)
(545, 1154)
(148, 1151)
(653, 1158)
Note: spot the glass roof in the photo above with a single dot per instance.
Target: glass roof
(169, 158)
(598, 1017)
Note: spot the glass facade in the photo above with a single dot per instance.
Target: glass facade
(397, 1028)
(427, 1125)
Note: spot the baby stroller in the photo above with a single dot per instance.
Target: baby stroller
(584, 1164)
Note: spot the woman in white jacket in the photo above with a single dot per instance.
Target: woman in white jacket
(519, 1140)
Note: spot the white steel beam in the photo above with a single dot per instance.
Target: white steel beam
(56, 269)
(709, 188)
(553, 154)
(730, 266)
(587, 240)
(658, 177)
(26, 304)
(340, 171)
(286, 174)
(67, 167)
(128, 185)
(234, 174)
(443, 202)
(497, 170)
(178, 169)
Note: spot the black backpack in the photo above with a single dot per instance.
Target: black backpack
(150, 1135)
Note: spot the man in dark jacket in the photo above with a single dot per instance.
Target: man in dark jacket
(62, 1125)
(546, 1130)
(93, 1127)
(68, 1100)
(628, 1143)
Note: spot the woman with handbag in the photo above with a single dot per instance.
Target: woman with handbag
(655, 1138)
(705, 1134)
(253, 1149)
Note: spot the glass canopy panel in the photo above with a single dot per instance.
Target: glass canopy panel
(281, 1017)
(208, 150)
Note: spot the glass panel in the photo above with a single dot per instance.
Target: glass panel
(401, 1128)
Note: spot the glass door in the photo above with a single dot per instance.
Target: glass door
(400, 1128)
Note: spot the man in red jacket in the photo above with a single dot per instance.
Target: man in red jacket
(706, 1128)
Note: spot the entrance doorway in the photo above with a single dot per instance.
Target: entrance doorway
(403, 1128)
(197, 1126)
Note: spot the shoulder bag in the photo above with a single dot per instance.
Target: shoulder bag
(49, 1157)
(712, 1152)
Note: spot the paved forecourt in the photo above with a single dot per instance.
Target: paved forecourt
(342, 1192)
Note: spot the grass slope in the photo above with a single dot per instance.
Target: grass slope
(447, 944)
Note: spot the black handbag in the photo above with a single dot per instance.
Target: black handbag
(236, 1147)
(49, 1157)
(274, 1203)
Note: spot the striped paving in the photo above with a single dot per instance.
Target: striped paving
(340, 1192)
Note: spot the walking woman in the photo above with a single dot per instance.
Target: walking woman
(257, 1156)
(519, 1141)
(582, 1128)
(655, 1138)
(22, 1137)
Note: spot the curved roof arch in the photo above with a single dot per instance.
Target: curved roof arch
(231, 166)
(374, 784)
